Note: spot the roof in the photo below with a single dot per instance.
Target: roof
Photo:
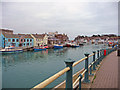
(11, 35)
(52, 38)
(25, 35)
(41, 36)
(16, 35)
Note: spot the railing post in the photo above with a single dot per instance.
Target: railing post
(69, 84)
(94, 61)
(80, 81)
(106, 51)
(86, 79)
(98, 57)
(91, 71)
(103, 53)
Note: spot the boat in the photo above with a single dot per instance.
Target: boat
(39, 49)
(68, 45)
(46, 46)
(74, 45)
(10, 50)
(58, 46)
(81, 44)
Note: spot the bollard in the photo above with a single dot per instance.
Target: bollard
(86, 79)
(94, 61)
(69, 84)
(80, 81)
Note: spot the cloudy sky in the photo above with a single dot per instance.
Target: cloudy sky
(72, 18)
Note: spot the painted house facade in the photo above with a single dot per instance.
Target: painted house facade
(40, 39)
(17, 40)
(26, 40)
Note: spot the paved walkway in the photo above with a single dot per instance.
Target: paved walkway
(107, 75)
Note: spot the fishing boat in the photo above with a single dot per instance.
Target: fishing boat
(10, 50)
(58, 46)
(39, 48)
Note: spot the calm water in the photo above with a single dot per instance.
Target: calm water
(25, 70)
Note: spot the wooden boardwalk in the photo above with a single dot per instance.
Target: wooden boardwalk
(107, 75)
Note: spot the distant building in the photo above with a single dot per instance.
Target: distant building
(55, 38)
(97, 39)
(40, 39)
(62, 38)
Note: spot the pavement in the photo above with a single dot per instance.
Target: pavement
(107, 75)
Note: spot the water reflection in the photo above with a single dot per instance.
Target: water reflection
(30, 68)
(31, 56)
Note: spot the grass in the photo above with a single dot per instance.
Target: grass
(94, 78)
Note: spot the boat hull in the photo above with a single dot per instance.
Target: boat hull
(57, 47)
(74, 46)
(68, 45)
(35, 49)
(17, 51)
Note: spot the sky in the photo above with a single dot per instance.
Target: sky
(72, 18)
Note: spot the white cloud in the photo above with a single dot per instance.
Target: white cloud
(73, 18)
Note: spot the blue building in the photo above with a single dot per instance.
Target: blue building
(26, 40)
(7, 38)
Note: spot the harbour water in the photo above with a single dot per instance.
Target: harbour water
(27, 69)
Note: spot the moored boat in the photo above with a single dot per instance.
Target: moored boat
(45, 46)
(68, 45)
(39, 49)
(58, 46)
(74, 45)
(10, 50)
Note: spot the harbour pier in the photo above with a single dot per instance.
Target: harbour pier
(89, 76)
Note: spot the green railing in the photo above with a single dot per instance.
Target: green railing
(84, 76)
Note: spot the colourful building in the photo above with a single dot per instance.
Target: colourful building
(40, 39)
(7, 38)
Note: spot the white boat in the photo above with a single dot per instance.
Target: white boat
(58, 46)
(10, 50)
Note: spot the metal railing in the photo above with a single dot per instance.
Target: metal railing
(84, 76)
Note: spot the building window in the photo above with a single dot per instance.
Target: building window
(27, 40)
(21, 40)
(24, 40)
(9, 40)
(13, 40)
(27, 44)
(30, 40)
(17, 40)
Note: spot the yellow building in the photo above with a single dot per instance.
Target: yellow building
(40, 39)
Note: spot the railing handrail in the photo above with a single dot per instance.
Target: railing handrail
(52, 78)
(79, 61)
(57, 75)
